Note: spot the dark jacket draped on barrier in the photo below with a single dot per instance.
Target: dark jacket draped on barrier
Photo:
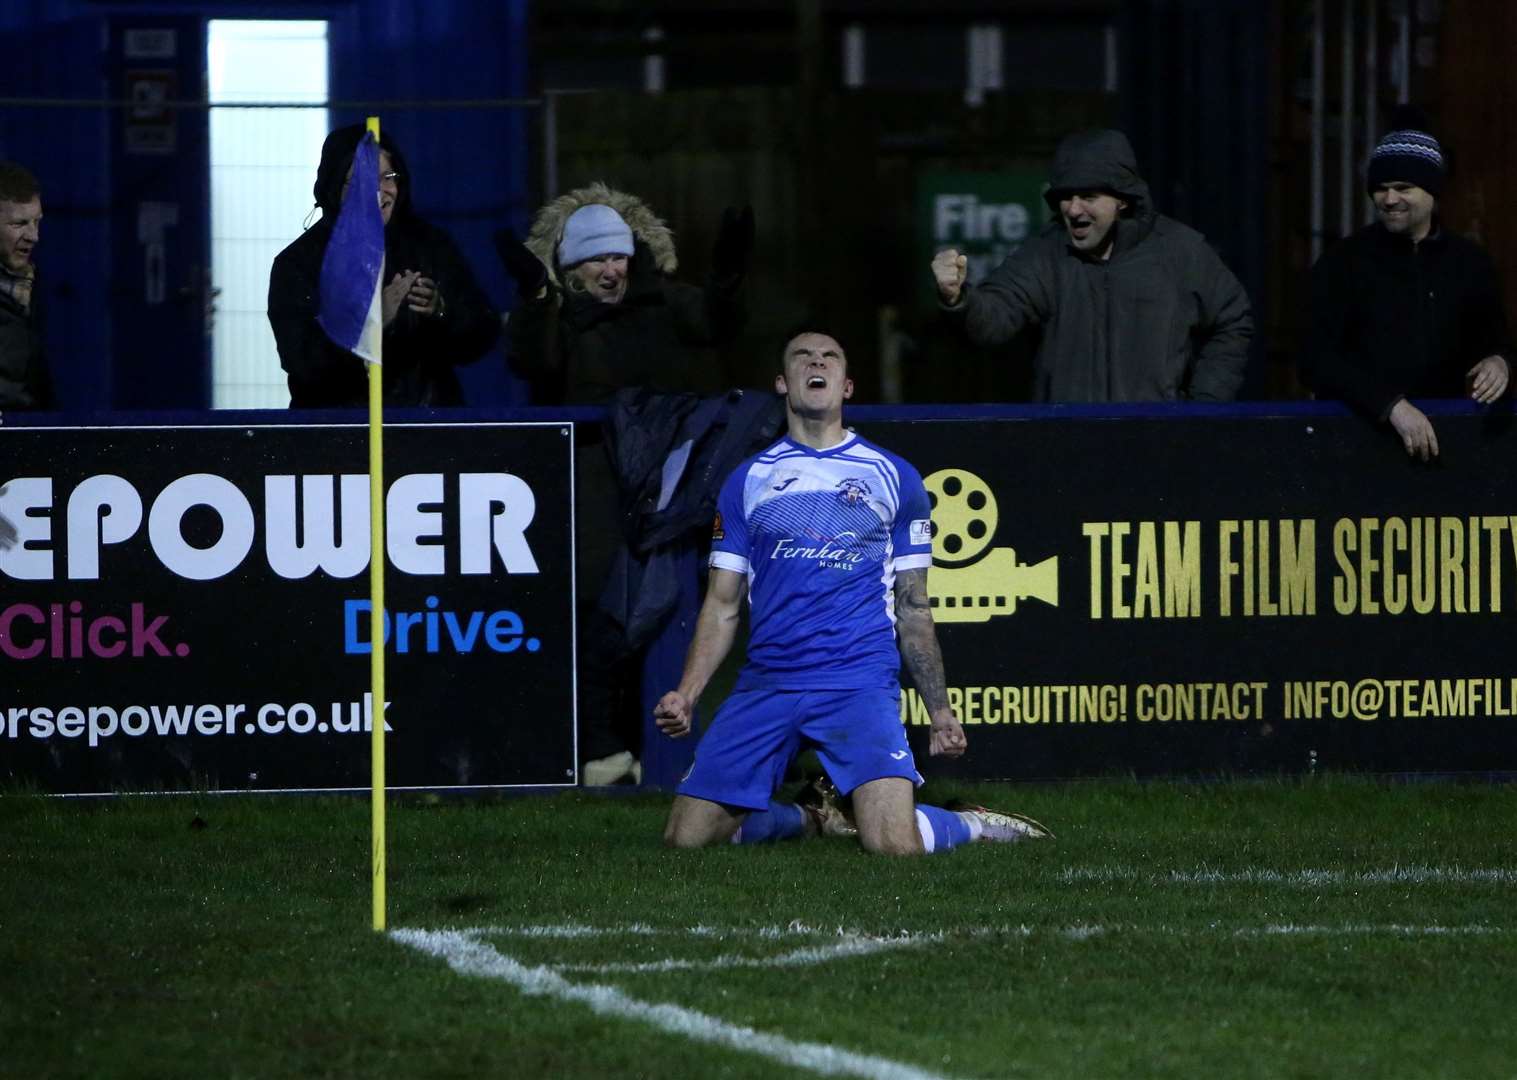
(671, 453)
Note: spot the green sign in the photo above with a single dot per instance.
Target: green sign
(983, 215)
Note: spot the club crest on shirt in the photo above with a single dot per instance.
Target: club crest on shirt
(852, 488)
(717, 532)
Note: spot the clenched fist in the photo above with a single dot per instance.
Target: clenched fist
(950, 269)
(672, 714)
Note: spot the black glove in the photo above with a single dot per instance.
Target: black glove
(734, 244)
(530, 274)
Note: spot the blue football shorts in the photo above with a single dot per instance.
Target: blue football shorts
(742, 757)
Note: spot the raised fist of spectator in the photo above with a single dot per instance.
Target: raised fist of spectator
(950, 269)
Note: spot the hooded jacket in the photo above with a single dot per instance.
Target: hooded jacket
(420, 351)
(1161, 319)
(1393, 319)
(577, 350)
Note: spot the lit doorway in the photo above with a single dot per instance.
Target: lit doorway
(263, 164)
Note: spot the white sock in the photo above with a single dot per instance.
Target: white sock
(924, 827)
(976, 826)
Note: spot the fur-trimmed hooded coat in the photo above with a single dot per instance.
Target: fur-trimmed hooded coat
(576, 350)
(420, 351)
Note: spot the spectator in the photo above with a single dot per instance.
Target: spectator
(1404, 308)
(24, 379)
(602, 315)
(829, 537)
(1129, 305)
(601, 310)
(435, 316)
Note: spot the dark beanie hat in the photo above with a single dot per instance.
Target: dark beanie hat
(1407, 154)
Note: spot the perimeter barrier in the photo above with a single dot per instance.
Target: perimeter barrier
(1182, 590)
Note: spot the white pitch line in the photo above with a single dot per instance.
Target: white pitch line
(1086, 932)
(860, 943)
(820, 954)
(575, 930)
(467, 955)
(1396, 875)
(580, 930)
(1392, 929)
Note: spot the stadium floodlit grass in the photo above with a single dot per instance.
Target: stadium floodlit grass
(1326, 927)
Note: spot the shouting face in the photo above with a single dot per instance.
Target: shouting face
(1088, 218)
(815, 380)
(603, 277)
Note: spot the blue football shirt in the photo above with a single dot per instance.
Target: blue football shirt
(820, 535)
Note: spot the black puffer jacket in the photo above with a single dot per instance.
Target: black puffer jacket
(420, 351)
(1391, 319)
(24, 380)
(1162, 319)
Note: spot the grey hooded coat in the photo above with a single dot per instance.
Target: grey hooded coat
(1162, 319)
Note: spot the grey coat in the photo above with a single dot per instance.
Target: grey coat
(1163, 319)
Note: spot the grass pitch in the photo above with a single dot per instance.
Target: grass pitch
(1328, 927)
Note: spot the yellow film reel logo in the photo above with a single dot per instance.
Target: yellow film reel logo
(964, 518)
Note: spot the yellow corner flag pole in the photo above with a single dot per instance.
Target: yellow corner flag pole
(376, 617)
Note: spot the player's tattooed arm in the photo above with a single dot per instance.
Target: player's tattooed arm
(919, 648)
(919, 638)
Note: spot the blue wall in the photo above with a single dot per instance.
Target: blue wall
(471, 166)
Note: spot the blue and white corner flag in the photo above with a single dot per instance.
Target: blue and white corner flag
(352, 271)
